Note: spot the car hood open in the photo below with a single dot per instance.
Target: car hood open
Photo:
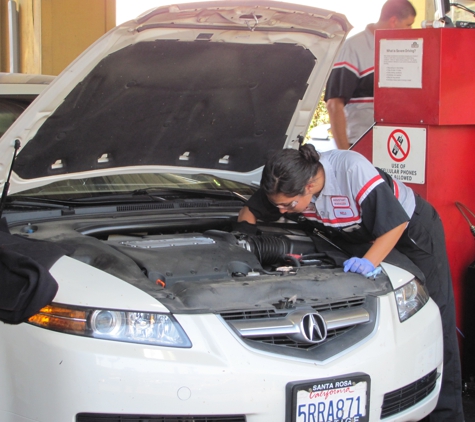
(213, 87)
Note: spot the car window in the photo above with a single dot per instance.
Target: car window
(9, 111)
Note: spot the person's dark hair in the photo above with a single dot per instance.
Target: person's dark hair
(289, 170)
(402, 9)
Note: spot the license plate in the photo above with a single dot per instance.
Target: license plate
(342, 399)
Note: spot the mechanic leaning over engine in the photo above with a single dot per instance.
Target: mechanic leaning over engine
(342, 194)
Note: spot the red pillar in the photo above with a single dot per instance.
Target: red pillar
(434, 89)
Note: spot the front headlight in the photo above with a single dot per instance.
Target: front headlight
(410, 298)
(132, 327)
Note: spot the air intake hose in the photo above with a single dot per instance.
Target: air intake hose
(269, 249)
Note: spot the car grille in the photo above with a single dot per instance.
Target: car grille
(233, 317)
(287, 342)
(398, 400)
(272, 313)
(90, 417)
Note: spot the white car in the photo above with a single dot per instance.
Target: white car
(321, 138)
(141, 299)
(17, 91)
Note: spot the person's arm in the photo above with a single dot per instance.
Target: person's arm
(384, 244)
(383, 216)
(376, 253)
(336, 112)
(258, 207)
(246, 215)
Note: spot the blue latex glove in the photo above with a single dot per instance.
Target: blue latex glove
(374, 273)
(358, 265)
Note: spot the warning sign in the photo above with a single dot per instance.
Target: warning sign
(400, 152)
(399, 145)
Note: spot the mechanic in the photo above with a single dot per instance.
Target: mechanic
(350, 88)
(342, 194)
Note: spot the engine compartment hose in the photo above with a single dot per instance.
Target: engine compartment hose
(269, 249)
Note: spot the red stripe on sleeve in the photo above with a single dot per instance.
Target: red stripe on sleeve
(366, 187)
(367, 71)
(357, 100)
(396, 189)
(346, 64)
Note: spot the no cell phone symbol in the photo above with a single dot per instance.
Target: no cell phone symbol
(398, 145)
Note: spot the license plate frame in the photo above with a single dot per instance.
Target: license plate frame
(348, 386)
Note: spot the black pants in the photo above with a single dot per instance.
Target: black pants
(424, 243)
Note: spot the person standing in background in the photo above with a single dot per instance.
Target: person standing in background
(350, 88)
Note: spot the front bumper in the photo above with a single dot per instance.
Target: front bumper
(52, 377)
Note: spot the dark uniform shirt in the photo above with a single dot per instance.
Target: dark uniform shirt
(358, 202)
(352, 78)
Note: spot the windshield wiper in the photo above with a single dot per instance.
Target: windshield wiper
(34, 203)
(220, 194)
(161, 194)
(150, 194)
(48, 202)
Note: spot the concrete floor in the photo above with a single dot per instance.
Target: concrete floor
(469, 407)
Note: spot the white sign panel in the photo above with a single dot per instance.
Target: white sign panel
(401, 152)
(400, 63)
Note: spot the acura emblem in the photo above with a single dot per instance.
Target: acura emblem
(314, 328)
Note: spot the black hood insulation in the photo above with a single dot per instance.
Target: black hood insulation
(154, 102)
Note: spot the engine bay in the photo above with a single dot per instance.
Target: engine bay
(217, 255)
(203, 264)
(173, 251)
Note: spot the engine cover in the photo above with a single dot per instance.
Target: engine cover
(211, 255)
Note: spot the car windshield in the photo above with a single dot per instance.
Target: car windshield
(130, 183)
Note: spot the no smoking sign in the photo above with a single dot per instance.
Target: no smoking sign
(400, 152)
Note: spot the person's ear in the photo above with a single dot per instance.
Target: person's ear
(309, 187)
(393, 22)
